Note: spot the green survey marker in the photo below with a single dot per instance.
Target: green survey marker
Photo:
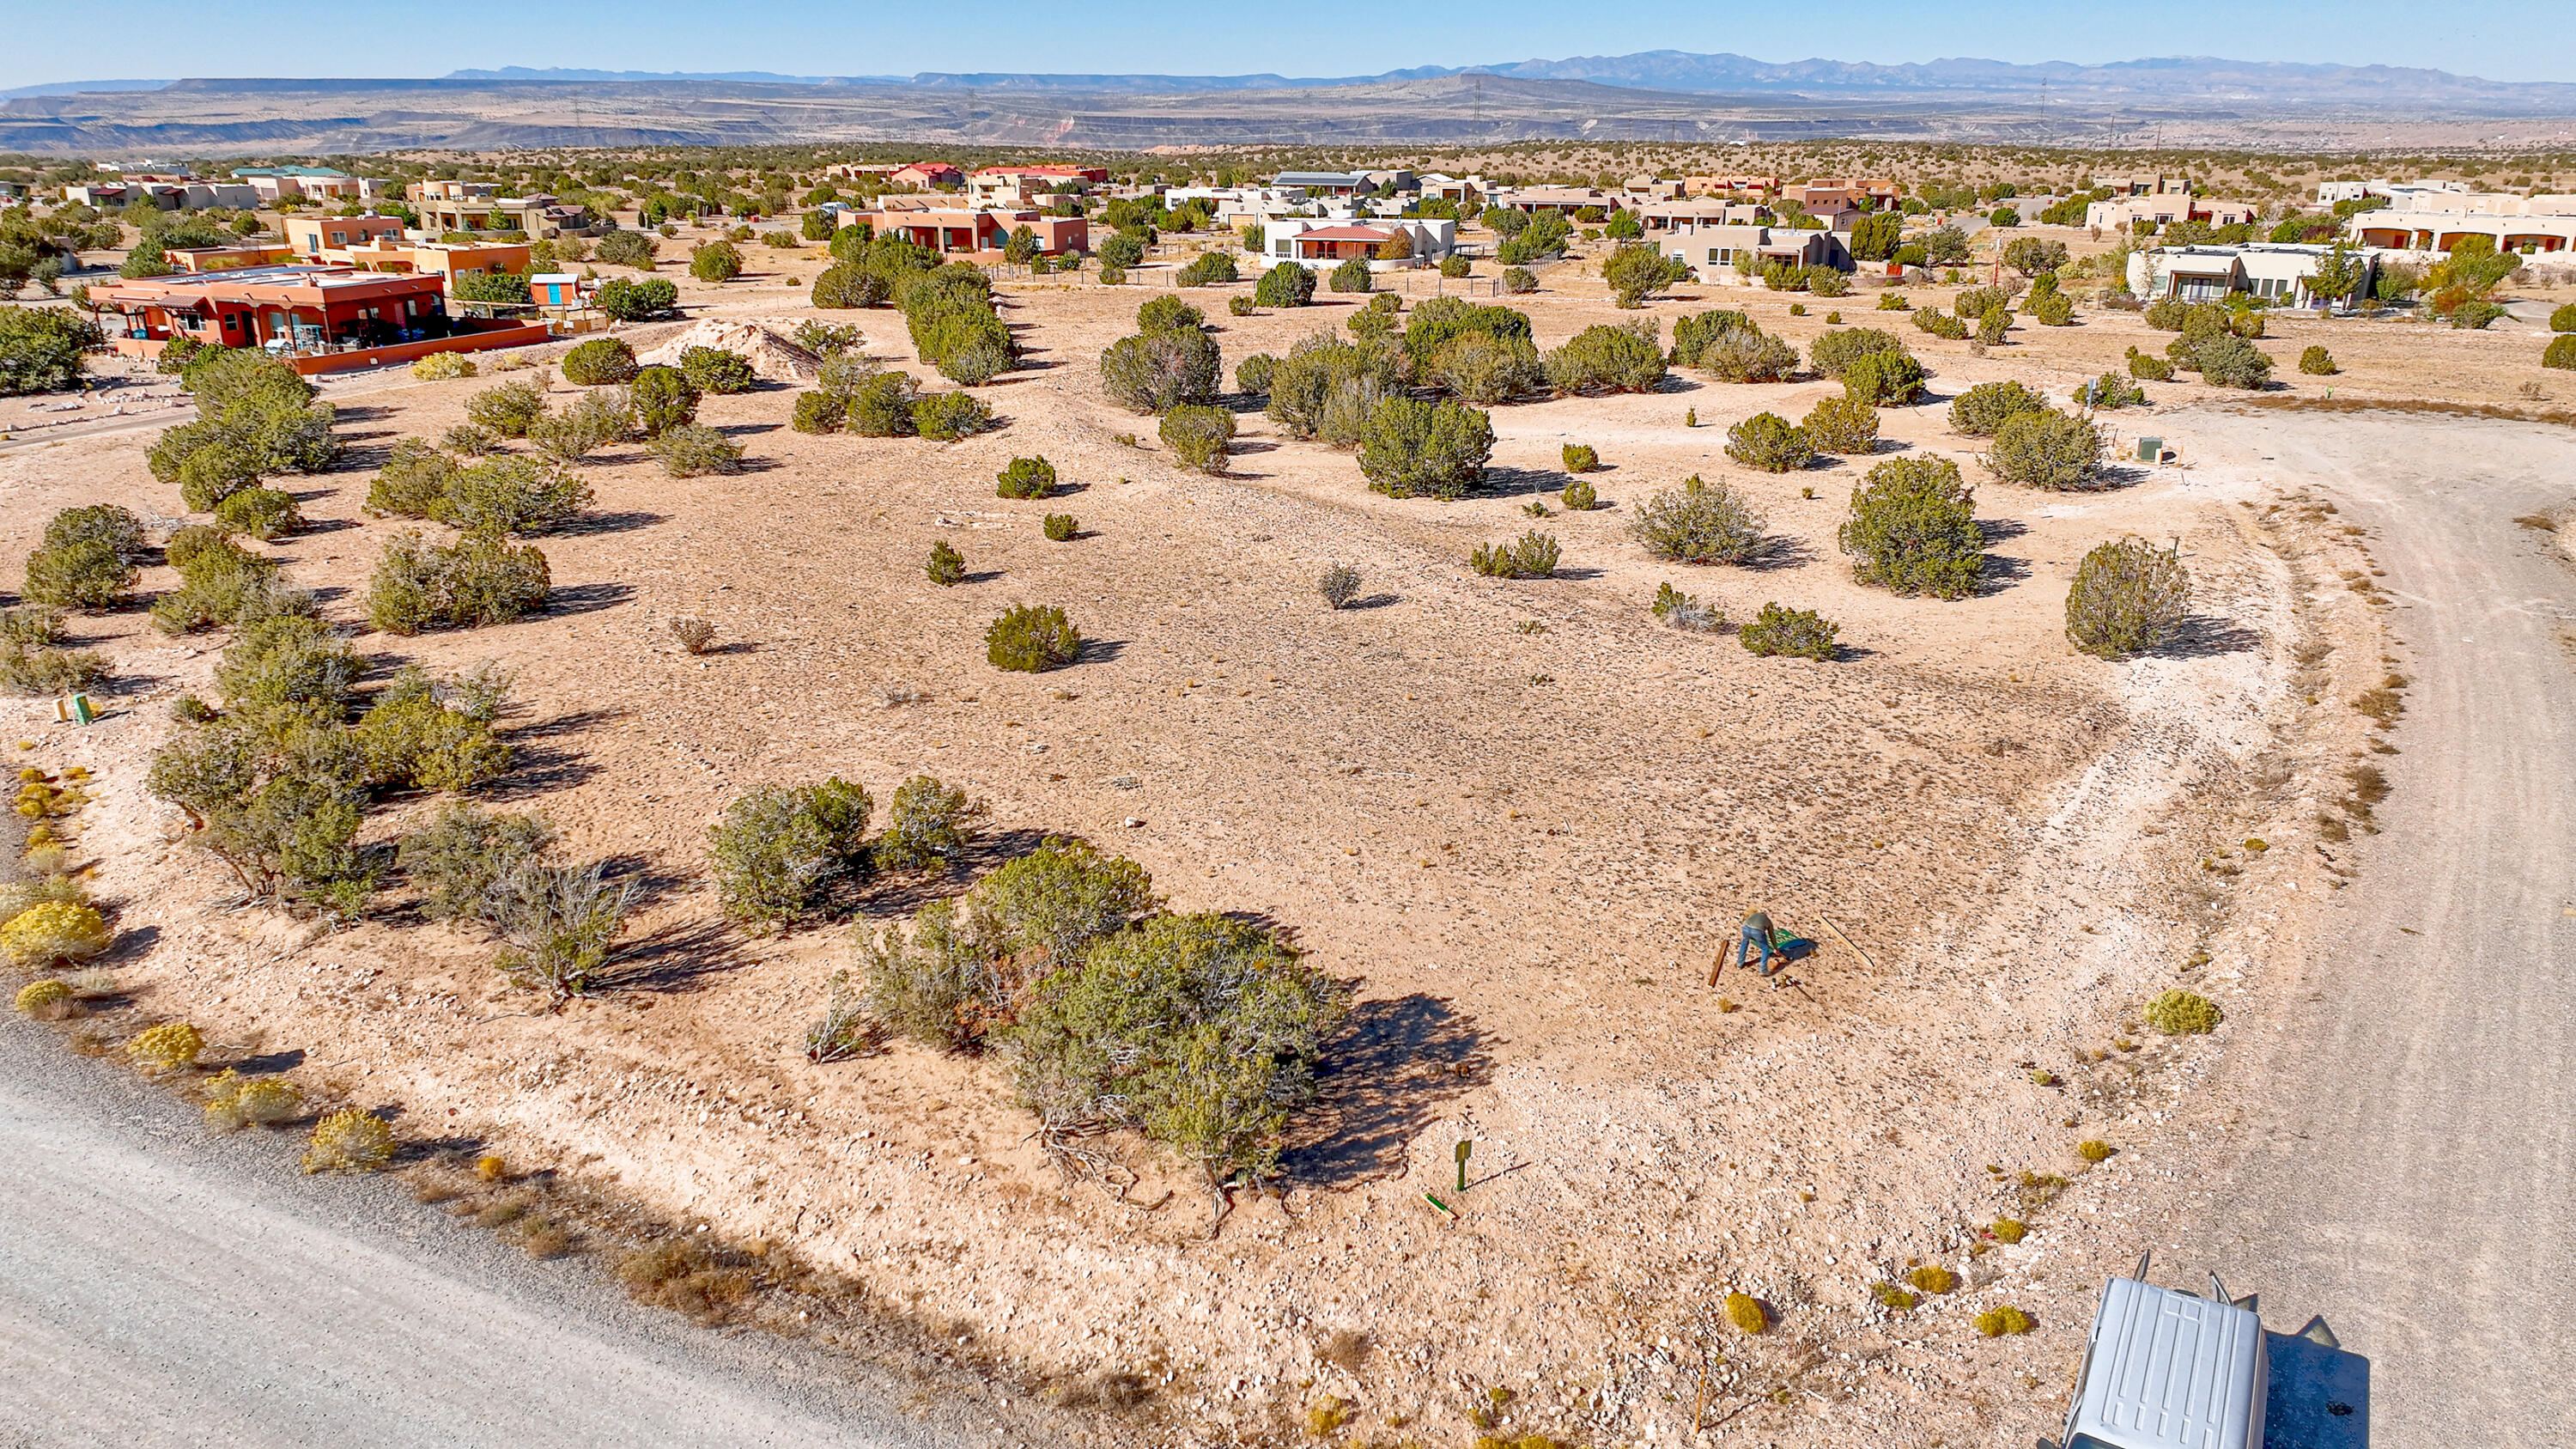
(1464, 1150)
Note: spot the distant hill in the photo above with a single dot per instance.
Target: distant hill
(1661, 96)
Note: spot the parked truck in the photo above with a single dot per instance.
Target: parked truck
(2165, 1368)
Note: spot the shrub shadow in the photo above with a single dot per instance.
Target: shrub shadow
(538, 771)
(1373, 601)
(1502, 482)
(1775, 552)
(679, 957)
(2001, 573)
(2204, 636)
(1100, 651)
(584, 524)
(1384, 1078)
(563, 724)
(1997, 530)
(586, 598)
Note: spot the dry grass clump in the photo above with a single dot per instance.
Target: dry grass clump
(1933, 1278)
(234, 1101)
(694, 635)
(685, 1278)
(1339, 585)
(2006, 1230)
(1326, 1416)
(2094, 1150)
(2183, 1013)
(47, 1000)
(350, 1141)
(171, 1046)
(1889, 1295)
(53, 931)
(1746, 1312)
(1996, 1322)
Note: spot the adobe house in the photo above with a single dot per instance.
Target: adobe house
(317, 319)
(947, 230)
(311, 236)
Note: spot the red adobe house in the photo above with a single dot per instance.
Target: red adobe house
(961, 230)
(1339, 243)
(927, 175)
(318, 319)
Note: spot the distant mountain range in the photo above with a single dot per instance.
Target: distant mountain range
(1669, 96)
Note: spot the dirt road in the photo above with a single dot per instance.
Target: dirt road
(2409, 1177)
(158, 1287)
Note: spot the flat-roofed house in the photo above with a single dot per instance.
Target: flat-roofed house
(318, 319)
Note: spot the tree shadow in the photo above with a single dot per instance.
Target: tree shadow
(2002, 572)
(586, 598)
(1996, 530)
(1502, 482)
(2205, 636)
(1775, 552)
(582, 525)
(679, 957)
(1384, 1078)
(1100, 651)
(539, 771)
(570, 723)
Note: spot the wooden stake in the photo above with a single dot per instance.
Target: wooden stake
(1848, 941)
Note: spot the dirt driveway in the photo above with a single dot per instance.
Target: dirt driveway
(2406, 1173)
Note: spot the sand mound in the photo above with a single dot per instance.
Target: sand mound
(765, 343)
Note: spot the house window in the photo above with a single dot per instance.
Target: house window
(1714, 254)
(339, 238)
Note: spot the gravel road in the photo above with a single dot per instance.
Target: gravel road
(2412, 1175)
(160, 1287)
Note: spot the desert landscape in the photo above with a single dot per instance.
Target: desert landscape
(1518, 817)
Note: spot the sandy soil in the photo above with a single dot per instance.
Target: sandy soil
(1521, 814)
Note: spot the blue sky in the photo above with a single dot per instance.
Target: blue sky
(2498, 39)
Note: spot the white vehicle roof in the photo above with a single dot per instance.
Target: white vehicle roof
(2166, 1370)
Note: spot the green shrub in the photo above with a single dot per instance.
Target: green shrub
(592, 421)
(2052, 309)
(1685, 611)
(598, 362)
(826, 339)
(1252, 375)
(41, 347)
(1692, 334)
(1164, 314)
(1981, 411)
(1353, 276)
(2110, 391)
(2095, 1151)
(662, 399)
(845, 285)
(1826, 281)
(1438, 449)
(819, 412)
(627, 249)
(937, 983)
(1835, 352)
(1637, 272)
(2047, 449)
(1941, 324)
(463, 853)
(1482, 369)
(1532, 556)
(2564, 319)
(1285, 285)
(1208, 270)
(1842, 425)
(1518, 281)
(508, 410)
(694, 450)
(266, 514)
(1992, 326)
(2230, 361)
(2128, 595)
(1030, 638)
(2009, 1231)
(1769, 442)
(27, 669)
(1199, 1031)
(561, 923)
(947, 416)
(1161, 369)
(223, 584)
(2149, 368)
(1199, 436)
(779, 850)
(947, 566)
(1913, 529)
(1026, 478)
(719, 262)
(928, 824)
(1747, 354)
(409, 738)
(881, 405)
(1885, 379)
(637, 300)
(2560, 353)
(1580, 496)
(1455, 265)
(86, 574)
(1579, 458)
(1698, 523)
(480, 579)
(717, 370)
(1327, 388)
(1801, 633)
(1239, 306)
(1894, 302)
(510, 495)
(2183, 1013)
(1606, 358)
(2317, 362)
(1060, 527)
